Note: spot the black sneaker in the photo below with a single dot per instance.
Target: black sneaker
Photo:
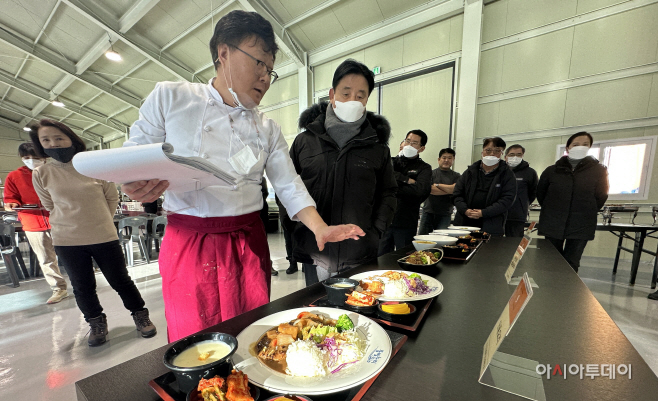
(143, 324)
(97, 331)
(274, 272)
(292, 269)
(653, 295)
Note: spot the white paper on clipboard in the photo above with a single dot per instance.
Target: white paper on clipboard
(152, 161)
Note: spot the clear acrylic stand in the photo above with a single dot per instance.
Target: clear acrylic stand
(514, 375)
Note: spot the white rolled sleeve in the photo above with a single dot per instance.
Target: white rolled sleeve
(287, 184)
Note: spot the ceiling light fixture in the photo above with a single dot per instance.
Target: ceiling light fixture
(111, 54)
(27, 129)
(57, 103)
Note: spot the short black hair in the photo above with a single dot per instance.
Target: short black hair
(496, 141)
(447, 150)
(236, 26)
(515, 146)
(27, 149)
(581, 133)
(420, 133)
(78, 143)
(351, 66)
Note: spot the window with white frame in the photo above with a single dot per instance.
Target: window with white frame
(629, 162)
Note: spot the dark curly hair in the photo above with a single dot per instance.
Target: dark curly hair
(238, 25)
(78, 143)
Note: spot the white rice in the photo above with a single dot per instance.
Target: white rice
(304, 358)
(395, 289)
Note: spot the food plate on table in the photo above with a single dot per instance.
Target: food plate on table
(451, 233)
(466, 228)
(420, 259)
(306, 366)
(437, 239)
(388, 277)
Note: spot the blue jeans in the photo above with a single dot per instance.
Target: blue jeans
(430, 222)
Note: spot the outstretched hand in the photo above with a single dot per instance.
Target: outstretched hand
(337, 234)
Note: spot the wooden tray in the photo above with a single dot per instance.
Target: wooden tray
(167, 387)
(422, 307)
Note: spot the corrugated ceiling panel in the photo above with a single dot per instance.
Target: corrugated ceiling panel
(80, 92)
(143, 80)
(390, 8)
(296, 7)
(117, 7)
(106, 104)
(331, 27)
(10, 58)
(22, 98)
(300, 37)
(281, 13)
(357, 14)
(26, 17)
(10, 115)
(71, 33)
(41, 74)
(128, 117)
(112, 70)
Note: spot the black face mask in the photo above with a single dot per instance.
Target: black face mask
(62, 155)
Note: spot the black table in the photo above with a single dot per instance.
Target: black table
(563, 323)
(642, 231)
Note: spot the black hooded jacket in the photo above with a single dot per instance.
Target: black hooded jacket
(355, 184)
(500, 197)
(571, 199)
(526, 191)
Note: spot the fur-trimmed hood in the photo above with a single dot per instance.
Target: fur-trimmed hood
(377, 122)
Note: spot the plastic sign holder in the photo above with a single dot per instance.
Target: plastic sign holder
(507, 372)
(518, 254)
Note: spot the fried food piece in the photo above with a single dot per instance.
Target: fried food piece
(238, 387)
(376, 286)
(286, 328)
(203, 356)
(360, 299)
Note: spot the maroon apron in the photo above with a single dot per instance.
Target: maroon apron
(212, 270)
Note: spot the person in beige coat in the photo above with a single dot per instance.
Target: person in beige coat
(81, 215)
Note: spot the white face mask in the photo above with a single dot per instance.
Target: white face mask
(490, 160)
(514, 161)
(33, 163)
(409, 151)
(348, 112)
(578, 152)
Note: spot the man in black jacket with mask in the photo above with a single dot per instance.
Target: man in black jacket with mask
(486, 190)
(414, 178)
(526, 191)
(345, 162)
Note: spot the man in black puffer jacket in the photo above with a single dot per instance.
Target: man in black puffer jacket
(526, 191)
(486, 190)
(414, 179)
(344, 160)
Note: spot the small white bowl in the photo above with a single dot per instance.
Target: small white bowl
(421, 245)
(438, 239)
(451, 233)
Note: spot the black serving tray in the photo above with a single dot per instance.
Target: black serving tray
(167, 387)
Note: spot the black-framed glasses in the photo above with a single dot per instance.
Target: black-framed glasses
(496, 151)
(262, 67)
(412, 143)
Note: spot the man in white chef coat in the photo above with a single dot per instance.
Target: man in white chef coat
(214, 259)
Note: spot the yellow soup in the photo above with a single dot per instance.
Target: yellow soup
(202, 353)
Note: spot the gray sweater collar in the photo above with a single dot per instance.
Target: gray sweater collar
(341, 132)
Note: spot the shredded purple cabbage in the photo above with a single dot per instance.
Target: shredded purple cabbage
(420, 288)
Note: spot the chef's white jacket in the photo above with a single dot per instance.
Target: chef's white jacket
(195, 120)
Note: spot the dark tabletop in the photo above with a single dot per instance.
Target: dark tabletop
(562, 324)
(626, 227)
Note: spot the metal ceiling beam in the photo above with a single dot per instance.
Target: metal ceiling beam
(17, 41)
(310, 13)
(97, 50)
(43, 94)
(45, 25)
(293, 50)
(106, 22)
(412, 19)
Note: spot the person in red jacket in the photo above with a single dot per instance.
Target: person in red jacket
(20, 192)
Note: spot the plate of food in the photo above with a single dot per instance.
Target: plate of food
(312, 350)
(399, 285)
(426, 258)
(466, 228)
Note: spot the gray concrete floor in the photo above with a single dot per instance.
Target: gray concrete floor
(43, 348)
